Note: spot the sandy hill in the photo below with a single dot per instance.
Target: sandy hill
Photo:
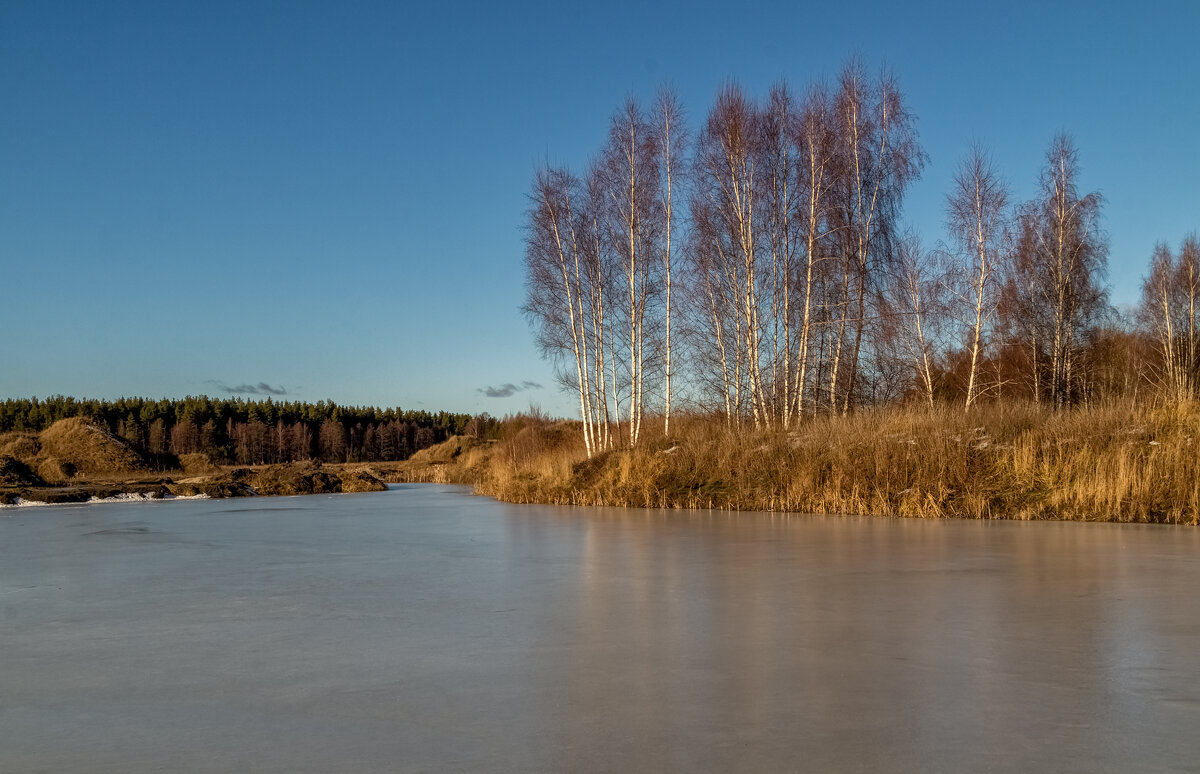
(80, 447)
(446, 451)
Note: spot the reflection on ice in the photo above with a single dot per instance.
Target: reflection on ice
(426, 630)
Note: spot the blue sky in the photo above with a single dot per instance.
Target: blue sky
(327, 197)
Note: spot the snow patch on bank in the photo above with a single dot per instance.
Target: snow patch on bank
(125, 497)
(19, 503)
(135, 497)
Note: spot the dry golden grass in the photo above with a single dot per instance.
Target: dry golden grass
(446, 451)
(77, 446)
(453, 461)
(197, 464)
(1109, 463)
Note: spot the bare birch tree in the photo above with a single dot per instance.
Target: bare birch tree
(714, 318)
(1061, 263)
(780, 162)
(725, 212)
(1169, 311)
(670, 134)
(915, 297)
(597, 293)
(816, 143)
(976, 210)
(631, 162)
(882, 157)
(554, 285)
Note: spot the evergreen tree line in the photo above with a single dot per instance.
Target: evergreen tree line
(770, 238)
(239, 431)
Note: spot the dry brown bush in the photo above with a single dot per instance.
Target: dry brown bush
(20, 445)
(15, 473)
(197, 463)
(360, 480)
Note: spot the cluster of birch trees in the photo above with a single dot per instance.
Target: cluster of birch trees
(599, 270)
(769, 243)
(1170, 311)
(794, 211)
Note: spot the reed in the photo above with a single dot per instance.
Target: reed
(1117, 462)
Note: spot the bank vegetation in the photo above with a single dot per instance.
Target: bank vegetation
(757, 265)
(748, 321)
(1115, 462)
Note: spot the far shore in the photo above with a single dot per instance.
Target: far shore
(294, 478)
(1109, 462)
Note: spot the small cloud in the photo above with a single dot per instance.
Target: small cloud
(503, 391)
(508, 389)
(262, 388)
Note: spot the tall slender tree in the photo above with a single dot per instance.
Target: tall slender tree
(554, 280)
(914, 306)
(631, 160)
(816, 142)
(670, 134)
(881, 158)
(726, 210)
(1170, 312)
(1059, 266)
(976, 212)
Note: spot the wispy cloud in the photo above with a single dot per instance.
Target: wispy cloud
(262, 388)
(508, 389)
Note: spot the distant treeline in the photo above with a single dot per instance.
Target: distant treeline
(234, 430)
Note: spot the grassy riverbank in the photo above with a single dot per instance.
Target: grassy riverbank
(1112, 463)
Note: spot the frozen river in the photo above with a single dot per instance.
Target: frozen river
(423, 629)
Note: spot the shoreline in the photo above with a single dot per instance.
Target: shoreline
(284, 479)
(1127, 463)
(1105, 463)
